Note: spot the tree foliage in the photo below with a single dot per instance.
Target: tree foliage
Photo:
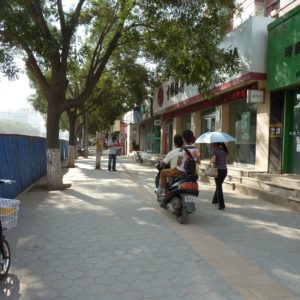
(180, 38)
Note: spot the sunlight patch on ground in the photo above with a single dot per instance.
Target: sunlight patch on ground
(146, 209)
(271, 227)
(291, 277)
(74, 203)
(23, 241)
(252, 206)
(142, 222)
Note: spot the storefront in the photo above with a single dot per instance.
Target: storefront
(231, 110)
(283, 80)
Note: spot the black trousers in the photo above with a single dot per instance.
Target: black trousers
(112, 159)
(218, 196)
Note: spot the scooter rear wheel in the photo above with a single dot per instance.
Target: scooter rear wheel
(182, 218)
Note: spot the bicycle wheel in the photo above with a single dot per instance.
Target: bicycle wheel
(4, 260)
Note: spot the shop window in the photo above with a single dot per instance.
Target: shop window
(208, 123)
(288, 52)
(186, 122)
(297, 48)
(245, 132)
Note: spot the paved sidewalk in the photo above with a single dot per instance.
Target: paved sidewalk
(106, 238)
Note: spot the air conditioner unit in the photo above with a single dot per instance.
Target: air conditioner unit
(274, 12)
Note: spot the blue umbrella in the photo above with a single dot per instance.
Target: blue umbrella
(214, 137)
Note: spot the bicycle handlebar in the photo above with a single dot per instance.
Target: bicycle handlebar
(7, 181)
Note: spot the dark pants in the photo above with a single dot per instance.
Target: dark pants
(218, 196)
(112, 160)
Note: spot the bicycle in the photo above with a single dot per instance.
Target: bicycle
(9, 210)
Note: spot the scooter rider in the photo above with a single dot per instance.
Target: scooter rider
(188, 139)
(170, 159)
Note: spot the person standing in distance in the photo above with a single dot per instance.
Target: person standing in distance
(219, 161)
(112, 154)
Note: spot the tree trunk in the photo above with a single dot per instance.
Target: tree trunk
(99, 148)
(72, 138)
(72, 156)
(54, 172)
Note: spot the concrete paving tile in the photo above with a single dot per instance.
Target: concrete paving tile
(73, 275)
(52, 276)
(94, 290)
(48, 294)
(198, 288)
(64, 268)
(105, 279)
(87, 297)
(176, 291)
(72, 292)
(157, 293)
(219, 296)
(114, 271)
(110, 296)
(93, 273)
(62, 283)
(152, 268)
(118, 287)
(84, 281)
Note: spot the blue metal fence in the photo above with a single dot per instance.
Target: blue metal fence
(23, 159)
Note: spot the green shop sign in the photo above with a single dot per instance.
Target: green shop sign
(283, 52)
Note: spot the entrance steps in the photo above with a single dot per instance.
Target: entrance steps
(281, 189)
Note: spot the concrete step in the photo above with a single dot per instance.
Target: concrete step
(233, 178)
(227, 184)
(269, 186)
(292, 203)
(290, 180)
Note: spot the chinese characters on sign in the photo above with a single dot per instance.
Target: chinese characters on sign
(275, 130)
(294, 133)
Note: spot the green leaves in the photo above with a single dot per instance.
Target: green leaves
(101, 44)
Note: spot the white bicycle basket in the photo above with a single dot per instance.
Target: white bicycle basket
(9, 211)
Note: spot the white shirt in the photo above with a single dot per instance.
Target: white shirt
(171, 158)
(112, 149)
(194, 152)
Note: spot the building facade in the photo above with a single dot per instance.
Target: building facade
(248, 106)
(283, 67)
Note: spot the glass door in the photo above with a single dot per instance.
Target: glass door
(296, 135)
(208, 124)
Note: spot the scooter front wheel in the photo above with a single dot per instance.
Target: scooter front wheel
(4, 259)
(182, 218)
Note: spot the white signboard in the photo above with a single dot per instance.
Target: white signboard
(254, 96)
(157, 122)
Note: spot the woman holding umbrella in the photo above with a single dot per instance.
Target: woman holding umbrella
(219, 160)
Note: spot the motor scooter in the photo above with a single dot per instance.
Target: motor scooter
(182, 192)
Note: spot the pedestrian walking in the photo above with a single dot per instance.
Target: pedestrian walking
(219, 157)
(112, 154)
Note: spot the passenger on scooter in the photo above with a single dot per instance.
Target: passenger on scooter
(188, 139)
